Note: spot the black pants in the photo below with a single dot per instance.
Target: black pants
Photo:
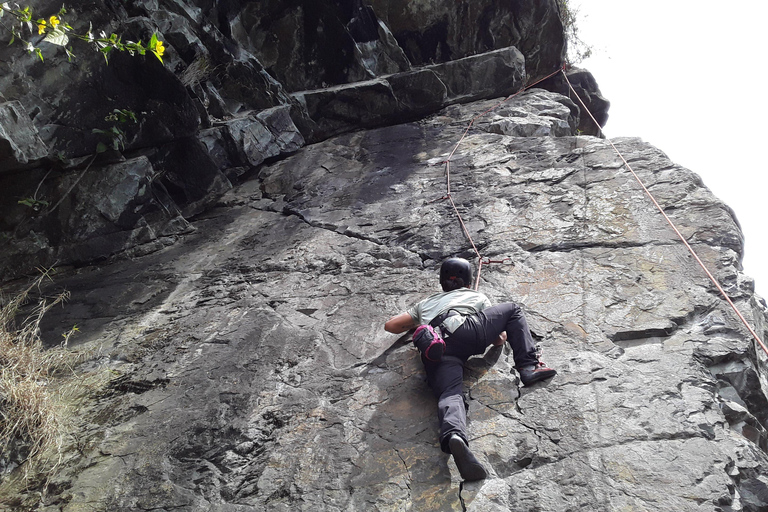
(446, 378)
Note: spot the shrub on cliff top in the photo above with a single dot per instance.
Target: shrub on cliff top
(577, 49)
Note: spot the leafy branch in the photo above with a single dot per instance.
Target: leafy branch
(54, 29)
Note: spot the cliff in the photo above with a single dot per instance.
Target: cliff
(253, 258)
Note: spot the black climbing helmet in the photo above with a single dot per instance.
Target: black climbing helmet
(455, 273)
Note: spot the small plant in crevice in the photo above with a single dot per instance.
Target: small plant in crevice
(115, 139)
(115, 134)
(35, 204)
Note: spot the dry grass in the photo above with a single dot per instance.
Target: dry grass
(32, 406)
(196, 72)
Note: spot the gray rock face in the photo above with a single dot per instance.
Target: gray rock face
(242, 83)
(442, 31)
(248, 141)
(20, 144)
(541, 114)
(256, 375)
(313, 45)
(410, 94)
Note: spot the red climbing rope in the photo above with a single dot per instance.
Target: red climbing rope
(448, 173)
(487, 261)
(672, 224)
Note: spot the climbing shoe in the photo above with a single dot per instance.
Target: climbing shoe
(469, 467)
(535, 373)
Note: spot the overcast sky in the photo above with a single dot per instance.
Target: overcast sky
(687, 77)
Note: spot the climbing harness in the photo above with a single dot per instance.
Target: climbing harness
(486, 261)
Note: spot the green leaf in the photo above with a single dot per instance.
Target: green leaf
(39, 54)
(57, 37)
(101, 147)
(33, 203)
(123, 115)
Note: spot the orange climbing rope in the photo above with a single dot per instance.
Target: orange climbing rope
(671, 224)
(448, 175)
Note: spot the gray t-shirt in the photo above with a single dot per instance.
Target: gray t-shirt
(463, 300)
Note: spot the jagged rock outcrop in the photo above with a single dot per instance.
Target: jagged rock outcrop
(20, 143)
(586, 89)
(254, 373)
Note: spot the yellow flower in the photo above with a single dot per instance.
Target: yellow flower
(54, 21)
(40, 26)
(160, 49)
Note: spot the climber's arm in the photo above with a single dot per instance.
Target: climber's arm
(400, 323)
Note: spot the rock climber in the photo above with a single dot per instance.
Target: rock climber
(469, 324)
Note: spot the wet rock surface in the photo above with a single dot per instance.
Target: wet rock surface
(254, 372)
